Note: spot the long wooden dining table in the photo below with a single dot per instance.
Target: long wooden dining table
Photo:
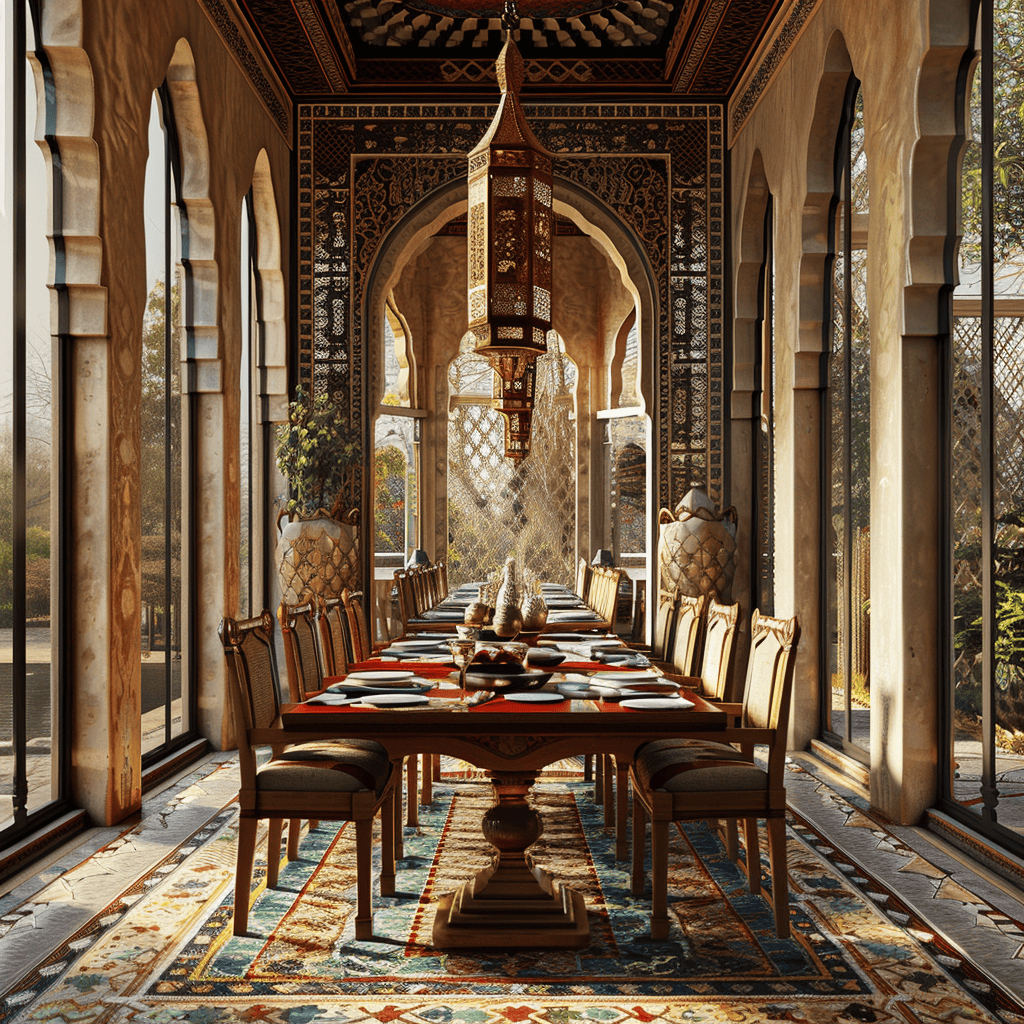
(513, 903)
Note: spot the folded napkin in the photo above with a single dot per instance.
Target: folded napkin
(633, 659)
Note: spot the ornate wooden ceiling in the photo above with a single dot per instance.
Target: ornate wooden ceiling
(326, 48)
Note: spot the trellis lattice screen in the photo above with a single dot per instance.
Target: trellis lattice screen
(658, 169)
(497, 507)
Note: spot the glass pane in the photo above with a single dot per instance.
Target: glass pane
(1008, 555)
(836, 541)
(965, 488)
(160, 442)
(972, 434)
(39, 682)
(245, 419)
(849, 585)
(40, 434)
(536, 499)
(7, 342)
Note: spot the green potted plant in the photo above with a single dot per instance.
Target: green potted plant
(317, 545)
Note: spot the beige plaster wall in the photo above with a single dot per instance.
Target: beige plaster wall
(792, 132)
(109, 56)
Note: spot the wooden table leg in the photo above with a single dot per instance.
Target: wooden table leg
(512, 904)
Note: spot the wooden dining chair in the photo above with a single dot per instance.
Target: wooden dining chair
(714, 775)
(687, 636)
(358, 625)
(660, 646)
(336, 781)
(303, 661)
(359, 647)
(331, 623)
(715, 680)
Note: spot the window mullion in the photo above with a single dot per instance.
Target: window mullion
(18, 520)
(988, 777)
(847, 596)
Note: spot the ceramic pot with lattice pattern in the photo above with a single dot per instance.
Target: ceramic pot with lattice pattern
(316, 556)
(697, 548)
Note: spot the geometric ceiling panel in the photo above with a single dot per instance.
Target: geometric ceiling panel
(629, 48)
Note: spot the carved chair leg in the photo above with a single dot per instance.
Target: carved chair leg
(243, 872)
(413, 797)
(275, 829)
(753, 855)
(659, 878)
(621, 809)
(364, 878)
(780, 878)
(294, 835)
(427, 780)
(608, 783)
(398, 812)
(636, 884)
(387, 842)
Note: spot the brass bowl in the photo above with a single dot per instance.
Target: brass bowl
(505, 677)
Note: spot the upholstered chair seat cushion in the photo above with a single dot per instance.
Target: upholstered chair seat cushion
(698, 766)
(341, 770)
(329, 748)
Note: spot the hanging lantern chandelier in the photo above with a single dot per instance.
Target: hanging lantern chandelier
(510, 228)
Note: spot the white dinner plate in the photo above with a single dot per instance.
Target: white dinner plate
(627, 677)
(395, 700)
(411, 644)
(534, 698)
(381, 675)
(603, 644)
(658, 703)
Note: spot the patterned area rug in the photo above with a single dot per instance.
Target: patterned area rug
(165, 952)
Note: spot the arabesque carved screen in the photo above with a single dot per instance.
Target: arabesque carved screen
(658, 169)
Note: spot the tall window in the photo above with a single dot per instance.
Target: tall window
(625, 454)
(763, 575)
(847, 450)
(985, 707)
(32, 723)
(165, 715)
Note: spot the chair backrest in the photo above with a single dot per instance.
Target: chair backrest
(301, 649)
(770, 674)
(688, 634)
(355, 613)
(603, 592)
(721, 622)
(406, 596)
(252, 681)
(333, 640)
(665, 625)
(584, 577)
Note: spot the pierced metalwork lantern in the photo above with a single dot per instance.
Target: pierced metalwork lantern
(516, 408)
(510, 228)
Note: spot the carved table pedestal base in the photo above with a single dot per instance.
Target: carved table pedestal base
(512, 904)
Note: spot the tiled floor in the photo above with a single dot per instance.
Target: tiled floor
(980, 913)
